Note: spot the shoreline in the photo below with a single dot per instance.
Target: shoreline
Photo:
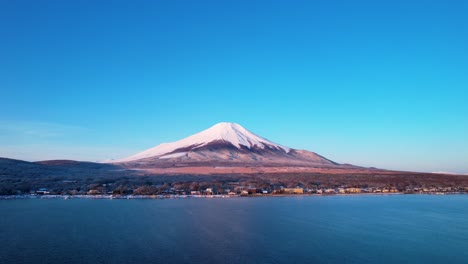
(160, 197)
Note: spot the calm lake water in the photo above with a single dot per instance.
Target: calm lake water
(333, 229)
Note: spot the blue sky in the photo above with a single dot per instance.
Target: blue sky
(373, 83)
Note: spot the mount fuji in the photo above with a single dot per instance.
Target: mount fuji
(224, 145)
(225, 154)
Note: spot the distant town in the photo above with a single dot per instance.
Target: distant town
(101, 191)
(26, 179)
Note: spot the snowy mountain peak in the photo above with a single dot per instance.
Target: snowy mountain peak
(226, 132)
(236, 135)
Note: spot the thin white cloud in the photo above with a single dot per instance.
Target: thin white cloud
(449, 172)
(37, 152)
(34, 141)
(25, 130)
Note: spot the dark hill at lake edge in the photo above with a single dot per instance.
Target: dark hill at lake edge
(74, 177)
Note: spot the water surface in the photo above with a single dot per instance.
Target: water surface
(333, 229)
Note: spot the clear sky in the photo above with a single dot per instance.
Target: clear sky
(372, 83)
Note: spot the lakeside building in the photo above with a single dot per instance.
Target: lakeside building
(353, 190)
(43, 191)
(293, 190)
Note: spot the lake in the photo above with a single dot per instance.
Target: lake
(328, 229)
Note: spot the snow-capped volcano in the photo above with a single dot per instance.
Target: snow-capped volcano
(223, 143)
(230, 133)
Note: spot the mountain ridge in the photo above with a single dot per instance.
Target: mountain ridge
(228, 144)
(231, 133)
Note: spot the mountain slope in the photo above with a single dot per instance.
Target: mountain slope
(231, 133)
(224, 144)
(53, 168)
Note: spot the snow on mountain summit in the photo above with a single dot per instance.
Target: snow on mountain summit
(231, 133)
(236, 135)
